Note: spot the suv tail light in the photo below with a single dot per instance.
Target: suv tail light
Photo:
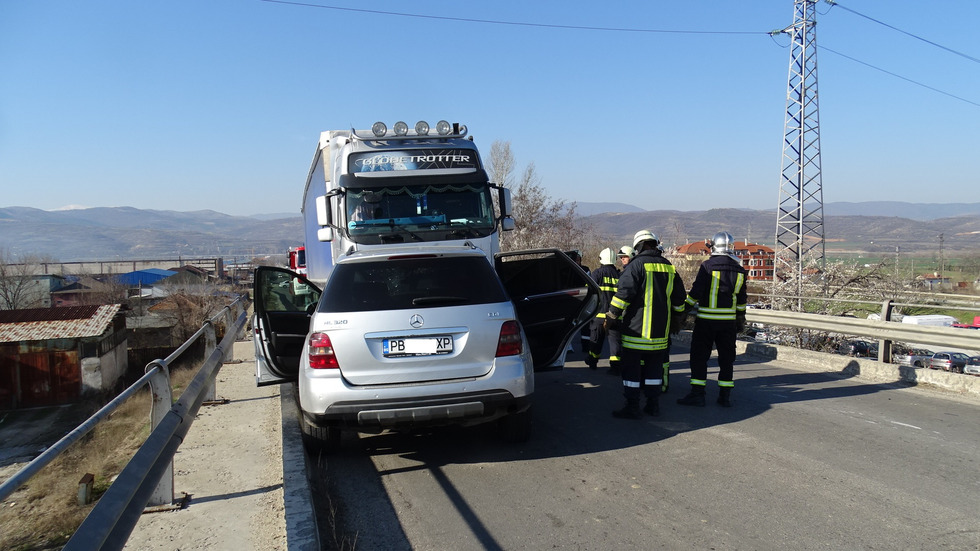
(509, 343)
(321, 352)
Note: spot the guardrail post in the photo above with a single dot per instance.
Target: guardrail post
(885, 345)
(230, 318)
(163, 400)
(210, 343)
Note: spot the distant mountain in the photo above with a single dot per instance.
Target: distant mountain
(873, 234)
(913, 211)
(105, 233)
(128, 233)
(590, 209)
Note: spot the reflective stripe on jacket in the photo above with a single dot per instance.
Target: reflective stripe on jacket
(719, 289)
(649, 291)
(607, 277)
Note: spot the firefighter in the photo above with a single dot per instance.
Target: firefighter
(719, 296)
(648, 294)
(607, 277)
(624, 256)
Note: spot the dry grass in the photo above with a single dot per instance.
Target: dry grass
(44, 513)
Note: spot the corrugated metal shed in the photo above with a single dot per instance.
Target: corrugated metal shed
(39, 324)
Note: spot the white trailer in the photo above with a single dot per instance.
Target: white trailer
(933, 320)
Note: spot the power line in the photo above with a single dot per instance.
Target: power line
(512, 23)
(631, 30)
(940, 46)
(900, 76)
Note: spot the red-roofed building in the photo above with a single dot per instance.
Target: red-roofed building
(51, 356)
(758, 260)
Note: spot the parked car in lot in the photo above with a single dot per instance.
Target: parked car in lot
(973, 366)
(862, 349)
(954, 362)
(418, 337)
(913, 357)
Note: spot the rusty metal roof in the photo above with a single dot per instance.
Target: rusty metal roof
(39, 324)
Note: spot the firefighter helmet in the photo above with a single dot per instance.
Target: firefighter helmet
(627, 251)
(606, 257)
(643, 236)
(721, 243)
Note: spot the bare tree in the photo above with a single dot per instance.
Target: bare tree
(501, 165)
(540, 221)
(190, 306)
(18, 287)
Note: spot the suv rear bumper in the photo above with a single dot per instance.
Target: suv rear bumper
(461, 409)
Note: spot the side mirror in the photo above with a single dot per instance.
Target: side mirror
(505, 204)
(322, 211)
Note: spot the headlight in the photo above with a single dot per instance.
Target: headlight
(422, 128)
(400, 128)
(379, 129)
(443, 128)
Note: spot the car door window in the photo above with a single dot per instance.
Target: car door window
(553, 298)
(284, 303)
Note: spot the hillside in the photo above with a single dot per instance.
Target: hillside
(129, 233)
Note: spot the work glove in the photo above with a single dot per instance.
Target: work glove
(610, 323)
(677, 322)
(739, 322)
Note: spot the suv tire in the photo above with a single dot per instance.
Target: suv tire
(320, 439)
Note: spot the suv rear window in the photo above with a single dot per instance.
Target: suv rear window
(401, 284)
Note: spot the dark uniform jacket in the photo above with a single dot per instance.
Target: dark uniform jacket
(607, 278)
(719, 289)
(649, 292)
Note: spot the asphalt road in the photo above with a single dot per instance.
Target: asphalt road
(804, 460)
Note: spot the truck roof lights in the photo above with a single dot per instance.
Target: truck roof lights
(401, 131)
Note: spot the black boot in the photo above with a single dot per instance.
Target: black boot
(653, 401)
(632, 408)
(725, 396)
(693, 398)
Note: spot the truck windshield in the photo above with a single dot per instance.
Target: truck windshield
(419, 212)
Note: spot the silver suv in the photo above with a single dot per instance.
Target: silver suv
(411, 337)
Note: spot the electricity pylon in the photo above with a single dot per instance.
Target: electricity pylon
(799, 219)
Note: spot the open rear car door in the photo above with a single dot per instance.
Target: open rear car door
(554, 299)
(284, 303)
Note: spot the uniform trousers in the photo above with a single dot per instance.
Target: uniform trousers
(721, 335)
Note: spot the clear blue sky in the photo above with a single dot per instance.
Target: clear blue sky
(218, 104)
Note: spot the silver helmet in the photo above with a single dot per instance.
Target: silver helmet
(722, 243)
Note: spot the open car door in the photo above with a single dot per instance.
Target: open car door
(284, 303)
(554, 299)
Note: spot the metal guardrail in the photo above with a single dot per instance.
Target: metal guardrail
(949, 337)
(148, 477)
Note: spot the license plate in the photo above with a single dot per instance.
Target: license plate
(417, 346)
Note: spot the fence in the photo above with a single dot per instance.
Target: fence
(148, 477)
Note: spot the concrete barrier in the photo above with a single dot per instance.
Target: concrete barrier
(847, 366)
